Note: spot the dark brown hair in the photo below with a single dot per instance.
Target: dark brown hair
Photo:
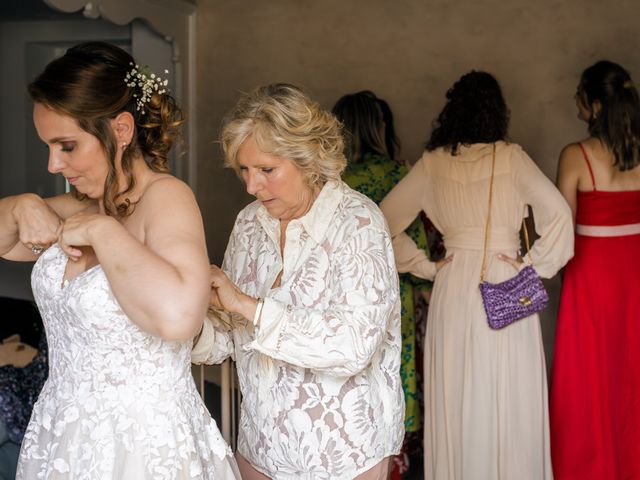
(88, 84)
(617, 124)
(475, 112)
(362, 120)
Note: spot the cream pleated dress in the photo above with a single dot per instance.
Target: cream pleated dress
(486, 415)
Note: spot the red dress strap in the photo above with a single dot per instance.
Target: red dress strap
(584, 152)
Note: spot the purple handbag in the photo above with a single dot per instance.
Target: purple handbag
(513, 299)
(516, 298)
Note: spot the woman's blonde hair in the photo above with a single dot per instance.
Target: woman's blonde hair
(286, 123)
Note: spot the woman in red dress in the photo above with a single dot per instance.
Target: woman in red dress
(595, 390)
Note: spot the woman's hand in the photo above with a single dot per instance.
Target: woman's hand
(514, 262)
(226, 295)
(443, 262)
(79, 231)
(38, 224)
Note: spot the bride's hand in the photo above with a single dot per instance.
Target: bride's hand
(38, 224)
(77, 231)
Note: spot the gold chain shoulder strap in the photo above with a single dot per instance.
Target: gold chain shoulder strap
(486, 228)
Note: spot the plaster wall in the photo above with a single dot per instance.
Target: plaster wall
(408, 52)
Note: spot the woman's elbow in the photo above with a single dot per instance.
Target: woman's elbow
(357, 366)
(181, 324)
(360, 360)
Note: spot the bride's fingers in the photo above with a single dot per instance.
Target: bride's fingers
(72, 252)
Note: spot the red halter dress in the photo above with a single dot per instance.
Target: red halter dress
(595, 386)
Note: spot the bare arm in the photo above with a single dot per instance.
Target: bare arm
(569, 167)
(215, 342)
(9, 231)
(161, 283)
(27, 220)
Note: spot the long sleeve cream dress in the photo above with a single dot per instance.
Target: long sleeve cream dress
(486, 415)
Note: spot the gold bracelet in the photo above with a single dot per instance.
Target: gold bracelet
(258, 315)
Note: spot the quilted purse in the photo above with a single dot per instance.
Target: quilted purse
(518, 297)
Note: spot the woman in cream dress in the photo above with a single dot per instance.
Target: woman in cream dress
(486, 415)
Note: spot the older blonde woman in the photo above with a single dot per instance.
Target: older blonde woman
(310, 291)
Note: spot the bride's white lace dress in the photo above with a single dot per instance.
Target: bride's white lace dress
(119, 403)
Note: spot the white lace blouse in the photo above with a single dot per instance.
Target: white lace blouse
(320, 375)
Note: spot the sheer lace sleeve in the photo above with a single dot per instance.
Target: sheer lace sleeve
(215, 343)
(341, 339)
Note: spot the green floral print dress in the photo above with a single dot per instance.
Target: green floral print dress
(375, 176)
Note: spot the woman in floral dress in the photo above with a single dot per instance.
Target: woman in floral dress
(372, 170)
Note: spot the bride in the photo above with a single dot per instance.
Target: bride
(121, 281)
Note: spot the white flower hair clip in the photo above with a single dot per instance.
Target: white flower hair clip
(148, 82)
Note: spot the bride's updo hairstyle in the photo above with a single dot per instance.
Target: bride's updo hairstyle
(94, 82)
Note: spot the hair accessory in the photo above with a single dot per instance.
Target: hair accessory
(627, 84)
(148, 82)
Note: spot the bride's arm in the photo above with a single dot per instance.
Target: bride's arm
(28, 220)
(162, 282)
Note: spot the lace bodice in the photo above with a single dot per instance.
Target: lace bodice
(118, 403)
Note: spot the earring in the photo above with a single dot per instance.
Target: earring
(124, 145)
